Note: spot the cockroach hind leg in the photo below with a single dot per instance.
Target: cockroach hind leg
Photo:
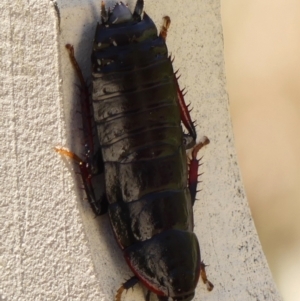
(193, 168)
(184, 110)
(130, 283)
(203, 276)
(75, 64)
(93, 165)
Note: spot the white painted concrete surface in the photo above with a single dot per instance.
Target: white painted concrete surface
(52, 247)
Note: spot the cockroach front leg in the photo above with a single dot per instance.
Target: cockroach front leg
(92, 166)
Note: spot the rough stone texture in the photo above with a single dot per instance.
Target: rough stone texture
(52, 247)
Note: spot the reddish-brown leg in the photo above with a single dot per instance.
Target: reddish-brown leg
(164, 29)
(86, 109)
(92, 166)
(193, 182)
(184, 111)
(203, 276)
(193, 168)
(130, 283)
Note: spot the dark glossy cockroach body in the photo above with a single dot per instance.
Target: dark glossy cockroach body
(138, 109)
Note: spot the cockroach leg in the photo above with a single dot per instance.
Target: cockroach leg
(203, 276)
(130, 283)
(98, 205)
(193, 168)
(164, 29)
(92, 166)
(184, 110)
(104, 15)
(87, 113)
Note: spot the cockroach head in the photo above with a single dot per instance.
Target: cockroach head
(121, 13)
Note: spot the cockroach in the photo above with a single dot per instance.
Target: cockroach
(133, 134)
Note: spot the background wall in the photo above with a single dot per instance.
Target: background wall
(262, 58)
